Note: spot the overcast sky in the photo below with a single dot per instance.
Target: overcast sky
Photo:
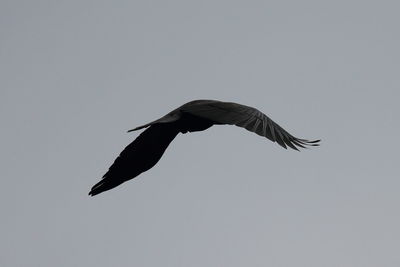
(75, 75)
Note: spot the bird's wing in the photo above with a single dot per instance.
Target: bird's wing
(249, 118)
(139, 156)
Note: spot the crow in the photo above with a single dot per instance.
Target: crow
(198, 115)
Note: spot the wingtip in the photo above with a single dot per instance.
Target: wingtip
(304, 143)
(314, 143)
(92, 194)
(97, 188)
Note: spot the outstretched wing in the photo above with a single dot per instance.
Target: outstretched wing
(139, 156)
(247, 117)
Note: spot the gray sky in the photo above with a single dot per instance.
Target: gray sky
(75, 75)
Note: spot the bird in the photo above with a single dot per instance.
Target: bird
(198, 115)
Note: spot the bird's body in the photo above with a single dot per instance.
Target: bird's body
(146, 150)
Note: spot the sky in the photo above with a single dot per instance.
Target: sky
(76, 75)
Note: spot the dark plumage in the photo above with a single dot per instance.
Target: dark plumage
(146, 150)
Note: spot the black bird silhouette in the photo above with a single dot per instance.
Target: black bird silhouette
(146, 150)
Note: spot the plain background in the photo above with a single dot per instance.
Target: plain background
(75, 75)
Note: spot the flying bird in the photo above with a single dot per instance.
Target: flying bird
(146, 150)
